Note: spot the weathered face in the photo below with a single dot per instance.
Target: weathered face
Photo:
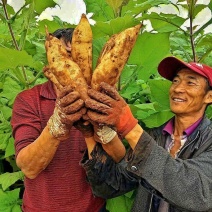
(188, 95)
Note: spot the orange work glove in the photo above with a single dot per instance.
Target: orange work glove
(68, 109)
(107, 107)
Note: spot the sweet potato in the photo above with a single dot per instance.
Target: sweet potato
(114, 56)
(65, 71)
(81, 47)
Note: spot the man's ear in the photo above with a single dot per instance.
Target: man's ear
(208, 98)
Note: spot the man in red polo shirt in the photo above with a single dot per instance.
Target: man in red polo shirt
(48, 151)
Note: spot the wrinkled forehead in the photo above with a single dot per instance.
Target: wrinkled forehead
(186, 72)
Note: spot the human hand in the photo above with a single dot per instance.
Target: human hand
(107, 107)
(68, 109)
(85, 127)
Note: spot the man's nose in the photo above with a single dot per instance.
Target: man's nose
(180, 87)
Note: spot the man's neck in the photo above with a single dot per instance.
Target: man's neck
(181, 123)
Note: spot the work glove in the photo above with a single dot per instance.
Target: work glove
(107, 107)
(68, 109)
(101, 134)
(85, 127)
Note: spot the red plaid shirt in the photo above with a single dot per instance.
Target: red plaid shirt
(62, 186)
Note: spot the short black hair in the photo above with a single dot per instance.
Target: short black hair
(66, 34)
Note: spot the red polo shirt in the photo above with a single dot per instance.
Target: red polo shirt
(62, 186)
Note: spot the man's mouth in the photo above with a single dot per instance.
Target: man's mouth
(178, 100)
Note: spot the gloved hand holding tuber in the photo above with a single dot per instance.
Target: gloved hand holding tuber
(85, 127)
(69, 108)
(107, 107)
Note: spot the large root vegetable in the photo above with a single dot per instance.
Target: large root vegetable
(81, 47)
(61, 69)
(114, 56)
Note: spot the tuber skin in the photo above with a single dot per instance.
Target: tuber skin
(114, 56)
(66, 72)
(81, 47)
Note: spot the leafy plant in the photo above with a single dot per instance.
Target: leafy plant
(22, 57)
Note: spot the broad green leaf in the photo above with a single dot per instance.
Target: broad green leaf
(198, 9)
(209, 112)
(4, 139)
(210, 5)
(10, 149)
(160, 92)
(10, 58)
(51, 26)
(121, 203)
(9, 201)
(157, 119)
(10, 90)
(143, 6)
(6, 111)
(148, 51)
(40, 6)
(147, 106)
(164, 22)
(100, 9)
(115, 4)
(114, 26)
(8, 179)
(5, 126)
(142, 111)
(130, 90)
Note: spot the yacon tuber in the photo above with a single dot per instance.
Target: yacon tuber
(81, 47)
(114, 56)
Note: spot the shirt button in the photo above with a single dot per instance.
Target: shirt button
(134, 168)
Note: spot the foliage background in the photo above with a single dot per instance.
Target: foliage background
(22, 56)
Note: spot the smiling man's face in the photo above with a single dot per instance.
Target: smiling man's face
(188, 93)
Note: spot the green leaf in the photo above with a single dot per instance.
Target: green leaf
(40, 6)
(148, 51)
(10, 58)
(157, 119)
(112, 27)
(6, 111)
(164, 22)
(8, 179)
(10, 149)
(121, 203)
(160, 92)
(9, 201)
(130, 90)
(142, 111)
(4, 139)
(10, 90)
(146, 5)
(115, 4)
(101, 10)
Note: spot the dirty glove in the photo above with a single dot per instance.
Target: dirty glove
(68, 109)
(107, 107)
(104, 134)
(85, 127)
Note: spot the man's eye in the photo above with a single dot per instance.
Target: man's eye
(174, 81)
(191, 83)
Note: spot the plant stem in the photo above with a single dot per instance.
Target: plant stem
(191, 9)
(14, 40)
(9, 26)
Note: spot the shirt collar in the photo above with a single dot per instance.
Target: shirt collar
(169, 127)
(47, 90)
